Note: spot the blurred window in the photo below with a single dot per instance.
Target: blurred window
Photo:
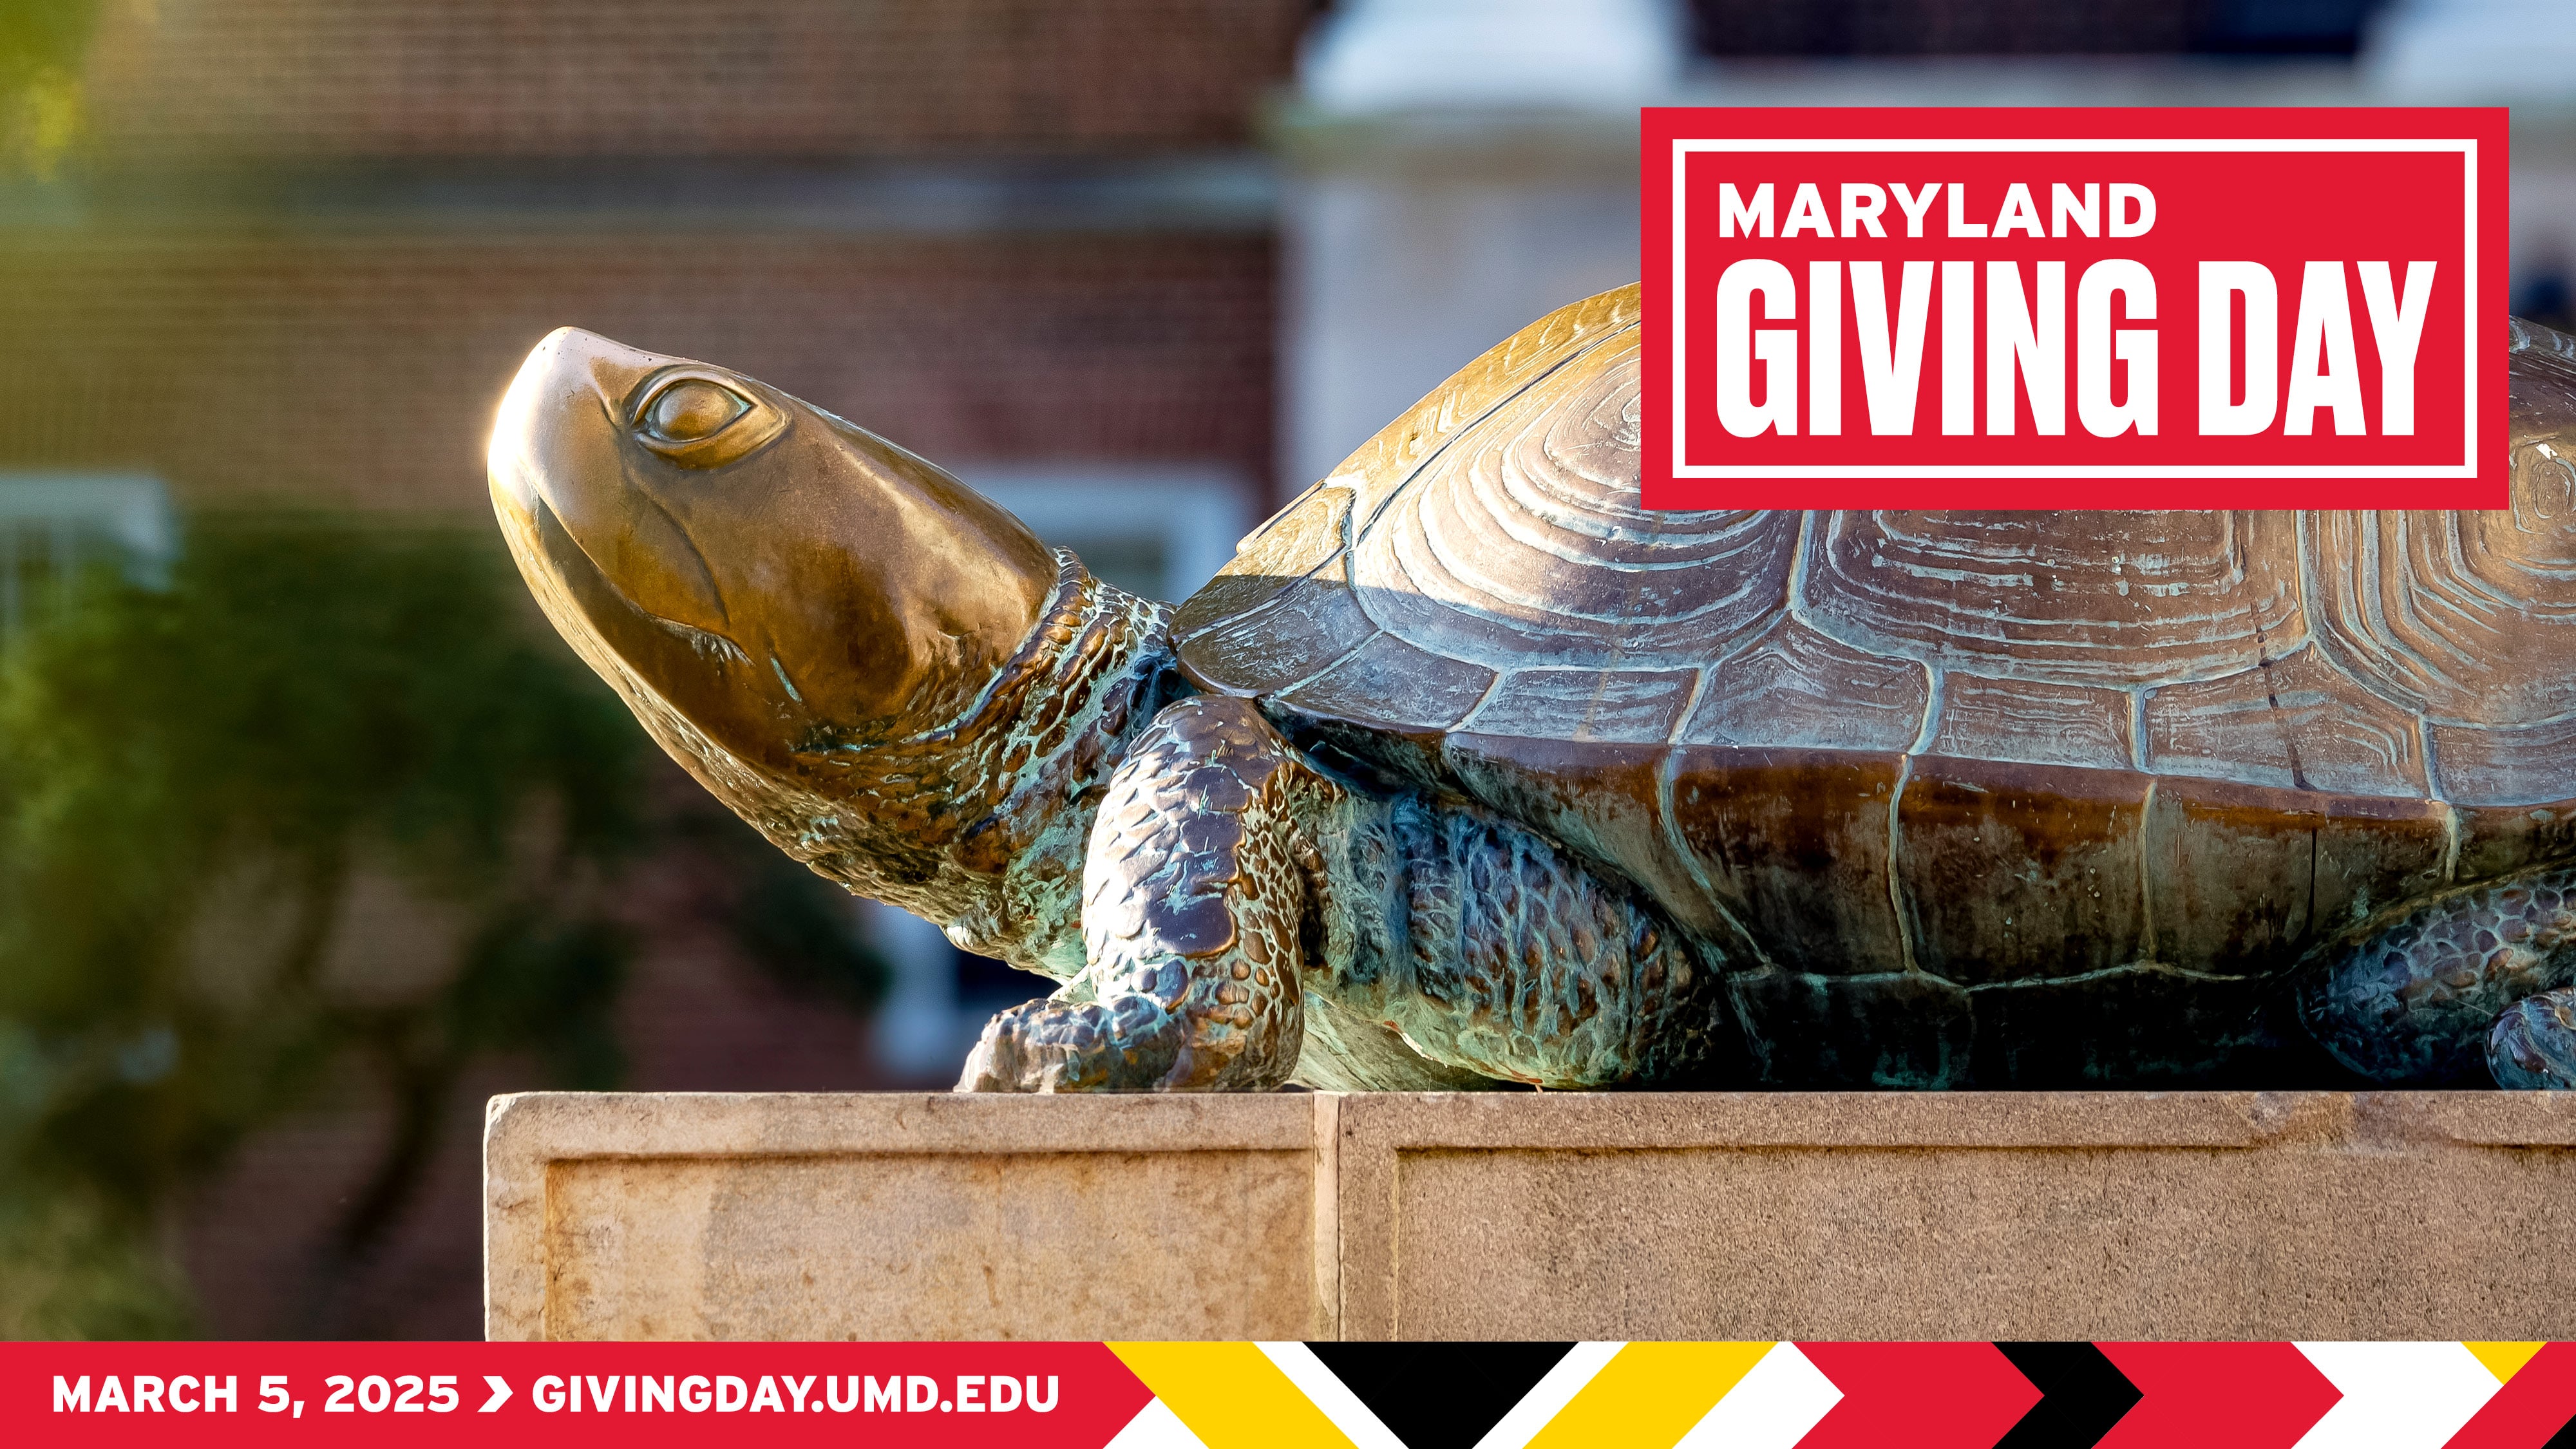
(53, 526)
(2541, 294)
(1151, 530)
(2030, 27)
(2284, 27)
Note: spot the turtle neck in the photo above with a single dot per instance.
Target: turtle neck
(979, 822)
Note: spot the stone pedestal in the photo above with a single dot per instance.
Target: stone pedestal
(1721, 1215)
(905, 1215)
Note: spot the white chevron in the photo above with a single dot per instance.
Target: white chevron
(2397, 1395)
(1156, 1427)
(1359, 1423)
(1549, 1395)
(1778, 1400)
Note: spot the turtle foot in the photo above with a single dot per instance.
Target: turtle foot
(1128, 1044)
(2533, 1045)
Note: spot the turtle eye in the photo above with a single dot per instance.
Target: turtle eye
(691, 409)
(698, 421)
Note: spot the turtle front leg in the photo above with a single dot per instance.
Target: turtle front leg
(1193, 892)
(2424, 993)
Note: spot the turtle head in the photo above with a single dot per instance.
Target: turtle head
(789, 585)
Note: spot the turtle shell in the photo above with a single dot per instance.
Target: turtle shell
(1989, 781)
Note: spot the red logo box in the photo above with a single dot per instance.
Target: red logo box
(2113, 308)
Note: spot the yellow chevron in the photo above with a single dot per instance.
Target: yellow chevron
(1649, 1395)
(1231, 1395)
(2504, 1360)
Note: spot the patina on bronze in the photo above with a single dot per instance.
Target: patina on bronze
(1470, 770)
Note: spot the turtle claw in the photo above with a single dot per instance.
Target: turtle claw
(2533, 1043)
(1126, 1045)
(1000, 1060)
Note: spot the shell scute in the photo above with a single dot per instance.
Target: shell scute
(2242, 877)
(1528, 533)
(1299, 631)
(2470, 616)
(1793, 686)
(2499, 840)
(2504, 764)
(2297, 722)
(2033, 722)
(2101, 598)
(1635, 706)
(1798, 844)
(2015, 872)
(1387, 681)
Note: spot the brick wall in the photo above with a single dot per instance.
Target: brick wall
(180, 80)
(364, 368)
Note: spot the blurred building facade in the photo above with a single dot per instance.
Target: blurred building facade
(304, 244)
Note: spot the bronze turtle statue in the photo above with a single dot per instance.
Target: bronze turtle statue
(1470, 770)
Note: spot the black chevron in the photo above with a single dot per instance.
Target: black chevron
(2082, 1394)
(2565, 1438)
(1439, 1395)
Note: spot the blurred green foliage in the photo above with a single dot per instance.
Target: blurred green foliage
(42, 43)
(195, 783)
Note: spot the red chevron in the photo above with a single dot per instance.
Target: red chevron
(1922, 1395)
(2217, 1395)
(2533, 1405)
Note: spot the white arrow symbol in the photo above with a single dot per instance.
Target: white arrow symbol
(500, 1393)
(1773, 1406)
(2397, 1395)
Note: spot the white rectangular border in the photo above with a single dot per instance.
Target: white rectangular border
(2466, 468)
